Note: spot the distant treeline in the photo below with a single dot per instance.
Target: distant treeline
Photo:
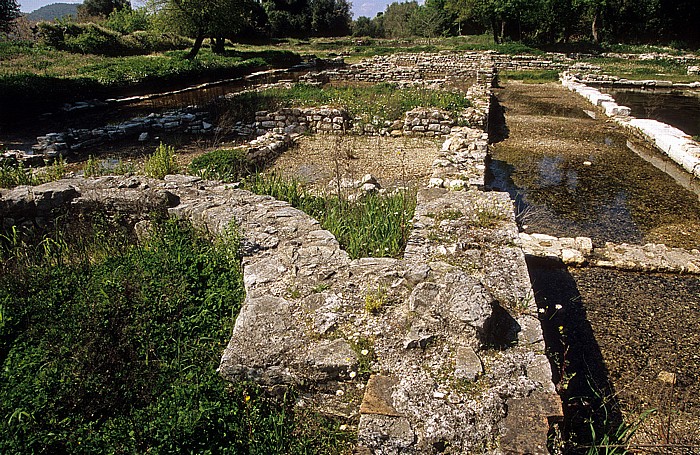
(674, 22)
(535, 22)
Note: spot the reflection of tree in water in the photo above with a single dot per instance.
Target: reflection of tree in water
(679, 109)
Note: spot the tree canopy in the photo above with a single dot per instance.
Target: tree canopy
(102, 8)
(9, 11)
(543, 21)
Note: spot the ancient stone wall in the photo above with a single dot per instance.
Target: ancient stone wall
(187, 121)
(580, 251)
(438, 351)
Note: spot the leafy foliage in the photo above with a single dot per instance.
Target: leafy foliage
(374, 225)
(111, 347)
(95, 39)
(9, 11)
(162, 162)
(14, 173)
(92, 8)
(228, 165)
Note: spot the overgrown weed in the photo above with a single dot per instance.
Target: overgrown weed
(161, 163)
(117, 353)
(373, 225)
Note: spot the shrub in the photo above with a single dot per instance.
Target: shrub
(227, 165)
(127, 20)
(162, 162)
(94, 39)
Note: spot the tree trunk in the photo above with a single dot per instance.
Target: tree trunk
(503, 29)
(594, 29)
(218, 46)
(494, 29)
(197, 45)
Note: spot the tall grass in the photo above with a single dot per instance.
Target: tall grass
(107, 346)
(375, 103)
(373, 225)
(15, 173)
(161, 163)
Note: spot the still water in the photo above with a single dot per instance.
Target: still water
(677, 108)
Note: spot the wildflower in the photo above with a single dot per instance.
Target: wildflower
(541, 310)
(557, 307)
(352, 374)
(339, 392)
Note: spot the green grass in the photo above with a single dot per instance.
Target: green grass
(14, 174)
(108, 346)
(39, 76)
(374, 225)
(357, 48)
(227, 165)
(372, 104)
(530, 77)
(645, 69)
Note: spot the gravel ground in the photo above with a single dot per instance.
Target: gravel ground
(394, 162)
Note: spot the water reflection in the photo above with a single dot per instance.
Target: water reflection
(577, 177)
(679, 109)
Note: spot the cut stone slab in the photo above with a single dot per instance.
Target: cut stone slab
(467, 364)
(527, 424)
(377, 398)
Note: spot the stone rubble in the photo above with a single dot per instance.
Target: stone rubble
(189, 120)
(580, 251)
(439, 351)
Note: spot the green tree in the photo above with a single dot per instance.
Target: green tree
(397, 19)
(200, 19)
(289, 18)
(101, 8)
(428, 22)
(330, 17)
(364, 26)
(9, 11)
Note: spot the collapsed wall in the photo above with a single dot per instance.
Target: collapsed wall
(438, 352)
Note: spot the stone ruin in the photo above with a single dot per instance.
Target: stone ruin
(440, 351)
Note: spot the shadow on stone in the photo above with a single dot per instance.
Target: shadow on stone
(578, 367)
(501, 330)
(497, 127)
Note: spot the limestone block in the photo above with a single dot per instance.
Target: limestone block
(467, 364)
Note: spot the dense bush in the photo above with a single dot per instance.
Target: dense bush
(111, 347)
(94, 39)
(228, 165)
(127, 20)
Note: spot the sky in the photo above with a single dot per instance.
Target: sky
(368, 8)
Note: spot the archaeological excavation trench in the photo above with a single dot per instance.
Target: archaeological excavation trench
(614, 335)
(473, 340)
